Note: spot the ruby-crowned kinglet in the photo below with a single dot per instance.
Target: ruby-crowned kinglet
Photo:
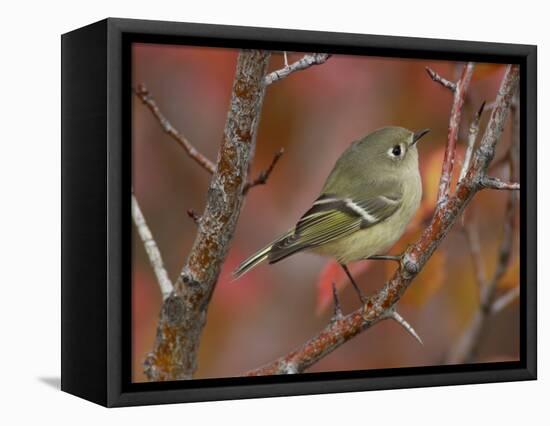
(366, 203)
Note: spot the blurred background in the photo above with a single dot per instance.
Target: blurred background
(314, 115)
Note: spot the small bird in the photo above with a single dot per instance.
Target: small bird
(371, 194)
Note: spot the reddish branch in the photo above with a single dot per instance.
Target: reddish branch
(382, 304)
(183, 314)
(459, 91)
(143, 94)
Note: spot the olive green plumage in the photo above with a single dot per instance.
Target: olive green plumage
(368, 199)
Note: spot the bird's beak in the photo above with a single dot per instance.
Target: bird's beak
(418, 135)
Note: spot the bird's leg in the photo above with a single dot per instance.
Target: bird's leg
(362, 297)
(385, 257)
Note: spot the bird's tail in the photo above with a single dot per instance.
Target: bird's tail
(266, 253)
(252, 261)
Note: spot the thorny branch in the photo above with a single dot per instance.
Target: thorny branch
(304, 63)
(448, 210)
(459, 92)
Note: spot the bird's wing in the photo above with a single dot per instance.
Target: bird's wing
(333, 217)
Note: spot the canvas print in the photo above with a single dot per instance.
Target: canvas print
(309, 212)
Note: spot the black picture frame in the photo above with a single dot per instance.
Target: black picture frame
(96, 219)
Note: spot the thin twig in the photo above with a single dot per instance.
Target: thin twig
(505, 300)
(459, 93)
(264, 174)
(151, 249)
(443, 81)
(336, 333)
(472, 136)
(495, 183)
(305, 62)
(143, 94)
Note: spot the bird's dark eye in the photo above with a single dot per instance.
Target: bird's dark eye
(396, 150)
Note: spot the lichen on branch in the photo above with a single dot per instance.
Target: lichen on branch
(183, 314)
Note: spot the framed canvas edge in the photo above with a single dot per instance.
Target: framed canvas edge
(118, 221)
(84, 213)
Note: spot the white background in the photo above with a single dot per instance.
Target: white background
(30, 212)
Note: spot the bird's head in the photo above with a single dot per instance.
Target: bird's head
(392, 146)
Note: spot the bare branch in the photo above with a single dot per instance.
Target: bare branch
(454, 122)
(336, 333)
(495, 183)
(264, 175)
(472, 136)
(151, 249)
(443, 81)
(183, 315)
(505, 300)
(403, 323)
(306, 62)
(145, 97)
